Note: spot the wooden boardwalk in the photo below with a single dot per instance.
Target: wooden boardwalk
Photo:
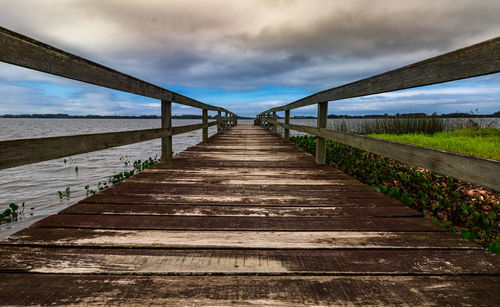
(248, 219)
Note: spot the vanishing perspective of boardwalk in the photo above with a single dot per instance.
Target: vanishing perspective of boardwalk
(244, 218)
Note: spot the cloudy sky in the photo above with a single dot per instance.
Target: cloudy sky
(248, 55)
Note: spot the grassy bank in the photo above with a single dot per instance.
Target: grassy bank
(469, 210)
(484, 143)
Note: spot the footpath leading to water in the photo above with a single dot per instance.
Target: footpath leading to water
(244, 218)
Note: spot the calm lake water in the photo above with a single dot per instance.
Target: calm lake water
(37, 184)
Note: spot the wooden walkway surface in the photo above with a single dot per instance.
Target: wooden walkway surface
(249, 219)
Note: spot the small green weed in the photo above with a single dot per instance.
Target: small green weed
(66, 193)
(11, 214)
(119, 177)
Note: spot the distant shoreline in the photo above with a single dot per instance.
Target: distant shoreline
(404, 115)
(67, 116)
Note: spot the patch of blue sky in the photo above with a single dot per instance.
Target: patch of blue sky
(219, 96)
(50, 88)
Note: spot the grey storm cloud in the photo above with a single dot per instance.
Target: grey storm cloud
(240, 45)
(247, 45)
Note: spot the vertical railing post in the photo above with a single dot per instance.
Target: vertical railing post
(287, 121)
(275, 127)
(235, 119)
(166, 125)
(204, 117)
(219, 125)
(321, 142)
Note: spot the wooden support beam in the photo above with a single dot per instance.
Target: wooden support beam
(320, 141)
(166, 125)
(219, 119)
(275, 127)
(287, 121)
(204, 117)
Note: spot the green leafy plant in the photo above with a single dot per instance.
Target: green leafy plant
(66, 193)
(469, 210)
(11, 214)
(119, 177)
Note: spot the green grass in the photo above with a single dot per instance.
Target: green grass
(479, 142)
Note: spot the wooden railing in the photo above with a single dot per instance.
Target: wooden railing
(23, 51)
(472, 61)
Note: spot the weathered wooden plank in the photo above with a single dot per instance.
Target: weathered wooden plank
(24, 51)
(305, 191)
(476, 60)
(262, 211)
(74, 237)
(236, 261)
(218, 156)
(236, 223)
(262, 171)
(343, 199)
(148, 186)
(253, 179)
(472, 169)
(240, 163)
(55, 289)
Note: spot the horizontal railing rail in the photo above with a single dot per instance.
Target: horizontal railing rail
(26, 151)
(476, 60)
(20, 50)
(473, 169)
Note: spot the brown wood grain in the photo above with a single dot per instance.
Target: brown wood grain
(248, 261)
(227, 222)
(58, 289)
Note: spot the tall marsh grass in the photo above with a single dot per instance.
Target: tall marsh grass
(405, 125)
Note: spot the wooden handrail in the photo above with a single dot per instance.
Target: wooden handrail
(476, 60)
(26, 151)
(27, 52)
(473, 169)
